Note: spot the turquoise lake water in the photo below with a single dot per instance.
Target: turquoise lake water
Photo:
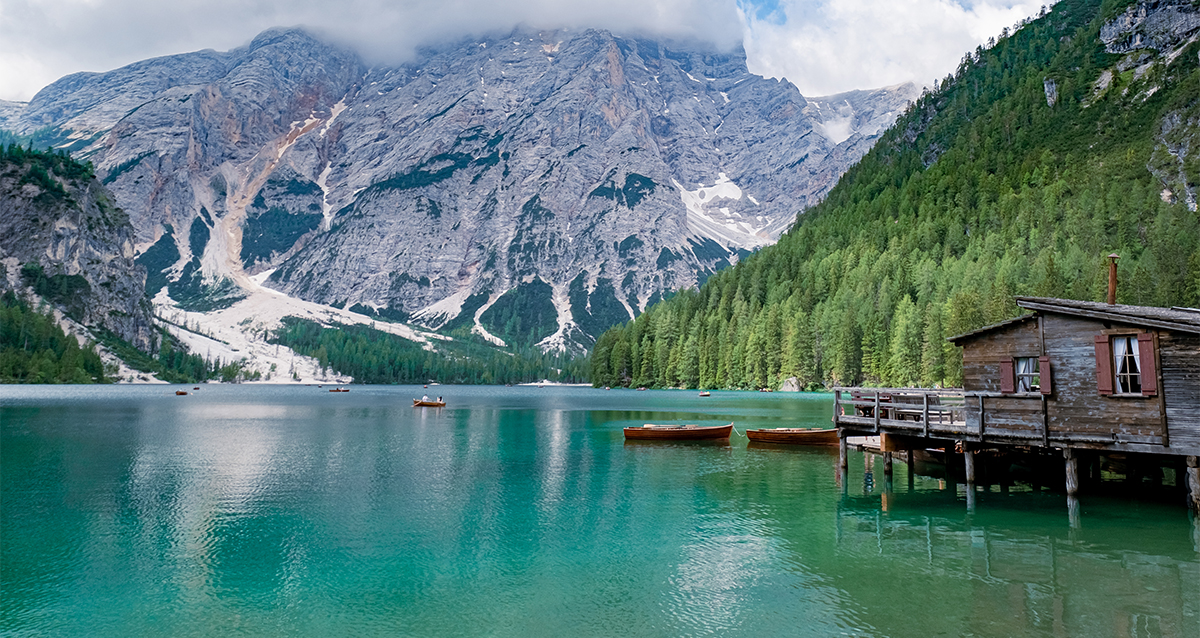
(292, 511)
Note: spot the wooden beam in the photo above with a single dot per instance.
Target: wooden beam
(1193, 474)
(969, 466)
(1072, 467)
(876, 411)
(982, 427)
(925, 411)
(1162, 394)
(843, 457)
(1045, 423)
(1111, 317)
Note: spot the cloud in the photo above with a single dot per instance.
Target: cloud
(821, 46)
(830, 46)
(42, 40)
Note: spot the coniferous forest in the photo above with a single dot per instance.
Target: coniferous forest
(34, 349)
(1016, 175)
(374, 356)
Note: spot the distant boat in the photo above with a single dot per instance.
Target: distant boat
(642, 389)
(795, 436)
(340, 390)
(417, 403)
(679, 432)
(180, 393)
(706, 394)
(196, 388)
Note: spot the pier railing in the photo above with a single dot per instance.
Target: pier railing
(925, 412)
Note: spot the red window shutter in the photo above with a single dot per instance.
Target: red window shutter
(1149, 372)
(1008, 383)
(1104, 375)
(1044, 374)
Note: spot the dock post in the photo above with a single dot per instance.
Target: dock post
(911, 470)
(843, 457)
(1193, 474)
(1072, 462)
(969, 468)
(887, 463)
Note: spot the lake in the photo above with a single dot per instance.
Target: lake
(293, 511)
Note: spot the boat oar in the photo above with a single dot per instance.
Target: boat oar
(736, 430)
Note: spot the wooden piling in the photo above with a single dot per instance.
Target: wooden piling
(969, 466)
(843, 456)
(1193, 475)
(887, 463)
(1072, 467)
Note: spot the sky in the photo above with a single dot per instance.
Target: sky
(821, 46)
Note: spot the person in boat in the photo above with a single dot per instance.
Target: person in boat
(439, 399)
(424, 397)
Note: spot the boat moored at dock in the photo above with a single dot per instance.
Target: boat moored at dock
(651, 431)
(795, 436)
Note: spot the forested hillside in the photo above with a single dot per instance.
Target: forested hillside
(34, 349)
(1014, 176)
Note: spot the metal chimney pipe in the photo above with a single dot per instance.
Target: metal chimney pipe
(1112, 278)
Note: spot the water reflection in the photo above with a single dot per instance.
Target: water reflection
(1017, 573)
(514, 512)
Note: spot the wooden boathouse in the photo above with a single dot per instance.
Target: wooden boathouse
(1090, 379)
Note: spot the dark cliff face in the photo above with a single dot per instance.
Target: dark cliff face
(576, 172)
(62, 235)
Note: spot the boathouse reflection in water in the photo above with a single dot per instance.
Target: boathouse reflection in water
(1014, 582)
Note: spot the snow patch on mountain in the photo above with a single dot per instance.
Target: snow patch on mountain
(719, 223)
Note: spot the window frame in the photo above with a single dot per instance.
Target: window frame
(1126, 383)
(1019, 377)
(1108, 366)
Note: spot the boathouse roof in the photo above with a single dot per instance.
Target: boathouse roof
(1178, 319)
(978, 331)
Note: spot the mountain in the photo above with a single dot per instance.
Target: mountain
(536, 187)
(62, 236)
(1075, 136)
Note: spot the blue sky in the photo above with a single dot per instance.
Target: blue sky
(821, 46)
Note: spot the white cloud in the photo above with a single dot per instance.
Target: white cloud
(830, 46)
(824, 46)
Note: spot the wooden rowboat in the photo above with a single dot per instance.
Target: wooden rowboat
(795, 436)
(679, 432)
(340, 390)
(417, 403)
(180, 393)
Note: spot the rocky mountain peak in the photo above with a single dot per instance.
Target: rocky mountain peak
(533, 187)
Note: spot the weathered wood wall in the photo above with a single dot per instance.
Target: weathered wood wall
(982, 355)
(1076, 408)
(1076, 405)
(1180, 356)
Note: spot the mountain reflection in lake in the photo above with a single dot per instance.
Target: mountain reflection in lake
(523, 512)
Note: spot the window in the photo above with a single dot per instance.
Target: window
(1127, 365)
(1027, 374)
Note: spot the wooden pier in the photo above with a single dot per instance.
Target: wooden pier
(1082, 378)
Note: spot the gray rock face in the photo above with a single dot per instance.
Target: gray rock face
(538, 187)
(9, 113)
(63, 235)
(1152, 25)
